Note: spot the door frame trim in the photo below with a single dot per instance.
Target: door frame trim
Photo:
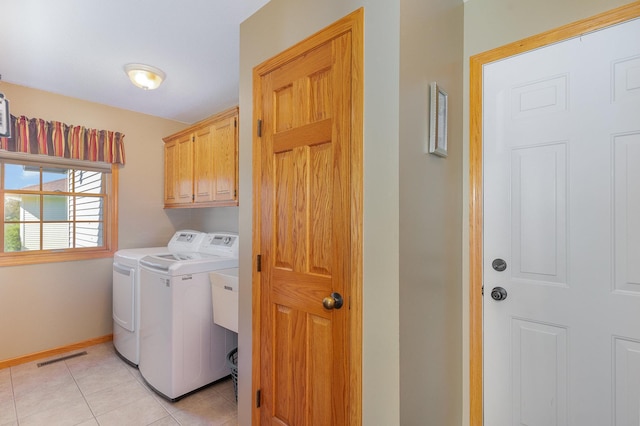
(353, 23)
(476, 64)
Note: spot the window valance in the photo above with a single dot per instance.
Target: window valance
(53, 138)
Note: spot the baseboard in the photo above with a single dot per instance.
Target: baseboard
(56, 351)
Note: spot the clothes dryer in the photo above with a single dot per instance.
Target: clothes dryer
(126, 301)
(126, 291)
(181, 349)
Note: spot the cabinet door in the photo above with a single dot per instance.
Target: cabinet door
(203, 165)
(225, 142)
(185, 170)
(170, 172)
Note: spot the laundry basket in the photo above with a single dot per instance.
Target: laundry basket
(232, 361)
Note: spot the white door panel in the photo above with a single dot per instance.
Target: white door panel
(539, 352)
(627, 389)
(626, 154)
(561, 170)
(539, 211)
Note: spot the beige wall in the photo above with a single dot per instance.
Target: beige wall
(489, 24)
(415, 355)
(277, 26)
(55, 304)
(215, 219)
(431, 49)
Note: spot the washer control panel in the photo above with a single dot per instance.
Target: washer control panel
(221, 244)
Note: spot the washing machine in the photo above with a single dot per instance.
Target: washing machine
(181, 348)
(126, 291)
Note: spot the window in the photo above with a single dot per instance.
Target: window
(56, 210)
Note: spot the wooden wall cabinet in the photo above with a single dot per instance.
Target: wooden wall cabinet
(201, 163)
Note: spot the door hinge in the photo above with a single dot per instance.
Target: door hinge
(258, 398)
(193, 138)
(259, 130)
(193, 197)
(235, 192)
(235, 122)
(259, 262)
(483, 290)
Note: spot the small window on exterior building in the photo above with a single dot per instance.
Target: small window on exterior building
(56, 211)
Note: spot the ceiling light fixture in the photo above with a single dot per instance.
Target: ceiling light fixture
(144, 76)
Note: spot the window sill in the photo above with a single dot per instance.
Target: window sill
(27, 258)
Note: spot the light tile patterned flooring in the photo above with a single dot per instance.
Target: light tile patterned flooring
(101, 389)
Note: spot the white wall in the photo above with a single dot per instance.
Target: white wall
(489, 24)
(277, 26)
(431, 49)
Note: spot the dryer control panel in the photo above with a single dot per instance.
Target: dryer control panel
(185, 241)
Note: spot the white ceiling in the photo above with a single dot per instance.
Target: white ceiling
(78, 48)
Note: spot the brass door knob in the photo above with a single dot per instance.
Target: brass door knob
(334, 301)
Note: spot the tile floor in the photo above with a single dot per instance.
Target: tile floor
(100, 389)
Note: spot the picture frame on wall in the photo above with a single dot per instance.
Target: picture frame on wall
(438, 120)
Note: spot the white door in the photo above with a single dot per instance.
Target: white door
(562, 210)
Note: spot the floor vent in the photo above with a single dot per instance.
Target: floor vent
(62, 358)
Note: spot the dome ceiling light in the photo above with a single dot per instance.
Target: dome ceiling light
(144, 76)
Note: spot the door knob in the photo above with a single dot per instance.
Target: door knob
(498, 294)
(334, 301)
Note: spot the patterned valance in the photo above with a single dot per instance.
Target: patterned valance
(36, 136)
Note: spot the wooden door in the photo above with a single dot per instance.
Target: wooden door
(225, 142)
(308, 230)
(203, 160)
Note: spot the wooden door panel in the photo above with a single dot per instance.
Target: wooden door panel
(306, 221)
(170, 172)
(296, 367)
(306, 99)
(302, 291)
(303, 209)
(287, 324)
(306, 174)
(305, 135)
(203, 165)
(224, 162)
(290, 218)
(320, 212)
(320, 351)
(185, 169)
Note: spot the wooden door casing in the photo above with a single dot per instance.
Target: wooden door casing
(307, 230)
